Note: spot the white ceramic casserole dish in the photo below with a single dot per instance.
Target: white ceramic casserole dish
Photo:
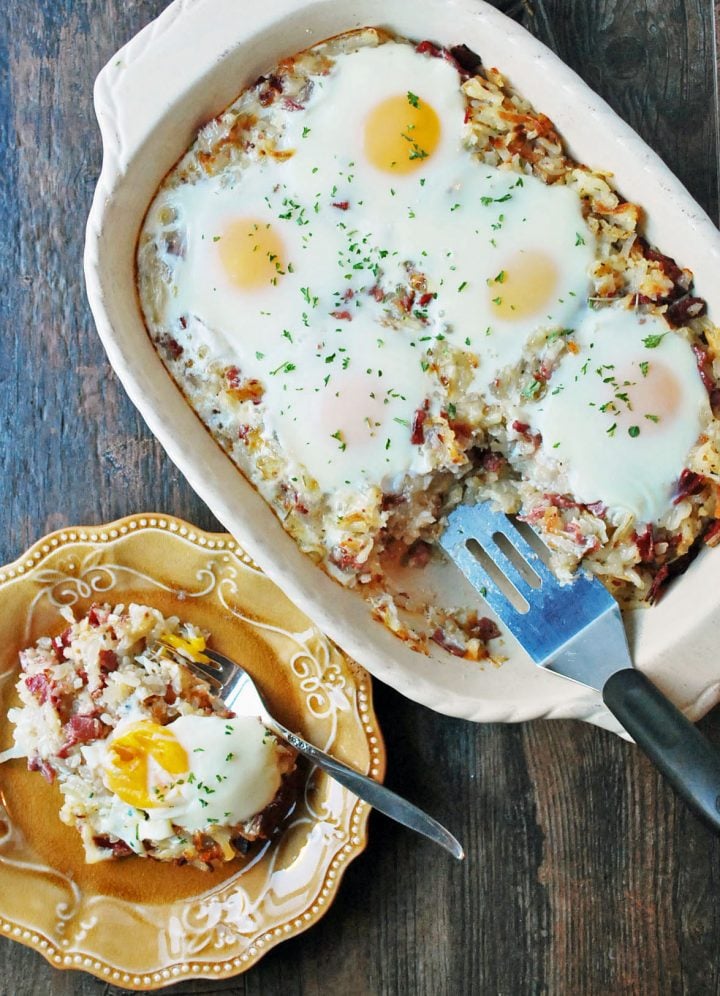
(151, 98)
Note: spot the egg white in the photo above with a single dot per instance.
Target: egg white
(232, 775)
(621, 415)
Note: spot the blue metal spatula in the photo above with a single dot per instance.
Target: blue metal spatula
(576, 630)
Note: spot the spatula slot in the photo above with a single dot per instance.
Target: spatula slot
(502, 582)
(517, 560)
(532, 539)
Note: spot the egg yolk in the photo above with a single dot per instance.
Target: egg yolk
(648, 397)
(188, 647)
(128, 769)
(401, 133)
(524, 287)
(251, 253)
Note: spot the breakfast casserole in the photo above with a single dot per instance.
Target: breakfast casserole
(386, 288)
(148, 761)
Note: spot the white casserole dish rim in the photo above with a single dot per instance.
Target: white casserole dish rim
(185, 67)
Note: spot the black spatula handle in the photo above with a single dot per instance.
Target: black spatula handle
(689, 762)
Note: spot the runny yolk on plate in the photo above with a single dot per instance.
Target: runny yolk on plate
(139, 758)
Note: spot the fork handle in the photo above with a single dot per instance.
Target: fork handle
(372, 792)
(675, 746)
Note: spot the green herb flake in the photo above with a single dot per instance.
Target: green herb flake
(532, 389)
(413, 99)
(653, 341)
(283, 368)
(634, 431)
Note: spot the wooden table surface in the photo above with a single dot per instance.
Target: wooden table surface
(584, 874)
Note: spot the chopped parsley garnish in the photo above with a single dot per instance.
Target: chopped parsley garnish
(579, 240)
(306, 132)
(339, 436)
(283, 368)
(611, 430)
(462, 286)
(451, 410)
(653, 341)
(644, 367)
(653, 418)
(634, 431)
(487, 201)
(560, 333)
(305, 291)
(413, 99)
(532, 389)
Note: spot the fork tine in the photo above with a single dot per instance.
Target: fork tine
(211, 674)
(226, 666)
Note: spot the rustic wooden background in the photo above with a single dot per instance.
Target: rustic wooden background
(584, 874)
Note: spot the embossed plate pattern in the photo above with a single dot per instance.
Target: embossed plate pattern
(146, 926)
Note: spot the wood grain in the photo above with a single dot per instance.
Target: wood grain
(584, 875)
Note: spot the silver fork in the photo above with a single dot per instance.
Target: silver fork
(238, 691)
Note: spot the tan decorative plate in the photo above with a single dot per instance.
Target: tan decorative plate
(146, 925)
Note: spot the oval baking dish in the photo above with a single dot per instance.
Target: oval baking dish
(149, 112)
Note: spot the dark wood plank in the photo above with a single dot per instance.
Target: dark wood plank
(654, 64)
(584, 875)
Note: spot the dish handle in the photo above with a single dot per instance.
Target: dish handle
(139, 84)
